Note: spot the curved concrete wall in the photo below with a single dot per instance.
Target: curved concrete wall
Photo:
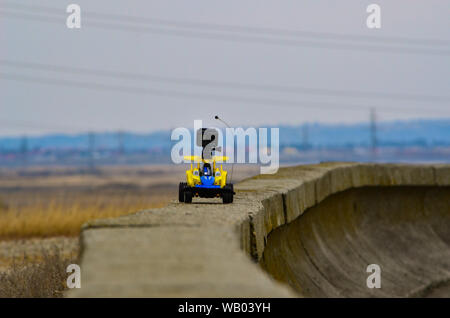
(197, 250)
(405, 230)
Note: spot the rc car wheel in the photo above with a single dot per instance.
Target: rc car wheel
(181, 191)
(231, 191)
(187, 196)
(227, 196)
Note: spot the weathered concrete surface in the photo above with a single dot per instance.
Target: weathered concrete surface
(203, 249)
(405, 230)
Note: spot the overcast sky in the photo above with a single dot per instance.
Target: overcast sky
(410, 56)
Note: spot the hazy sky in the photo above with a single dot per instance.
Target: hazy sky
(35, 100)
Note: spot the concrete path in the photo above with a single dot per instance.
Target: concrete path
(207, 249)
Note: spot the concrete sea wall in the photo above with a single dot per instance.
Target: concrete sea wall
(207, 249)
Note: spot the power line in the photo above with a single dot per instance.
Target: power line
(120, 142)
(279, 32)
(203, 96)
(24, 149)
(37, 125)
(305, 136)
(373, 132)
(91, 150)
(235, 28)
(224, 84)
(240, 38)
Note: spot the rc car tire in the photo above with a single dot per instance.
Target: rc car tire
(181, 191)
(232, 192)
(187, 196)
(227, 196)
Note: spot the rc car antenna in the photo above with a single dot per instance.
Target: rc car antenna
(232, 164)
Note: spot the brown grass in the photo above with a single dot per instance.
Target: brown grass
(65, 217)
(41, 208)
(37, 278)
(46, 202)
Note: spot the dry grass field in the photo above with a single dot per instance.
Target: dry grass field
(63, 215)
(43, 274)
(43, 208)
(48, 202)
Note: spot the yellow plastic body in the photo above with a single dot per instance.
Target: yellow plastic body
(222, 179)
(193, 178)
(193, 175)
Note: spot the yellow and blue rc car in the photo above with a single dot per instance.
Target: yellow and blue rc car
(206, 180)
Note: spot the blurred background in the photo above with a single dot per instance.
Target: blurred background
(110, 92)
(86, 114)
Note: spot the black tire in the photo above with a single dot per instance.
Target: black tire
(227, 196)
(232, 192)
(187, 196)
(181, 191)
